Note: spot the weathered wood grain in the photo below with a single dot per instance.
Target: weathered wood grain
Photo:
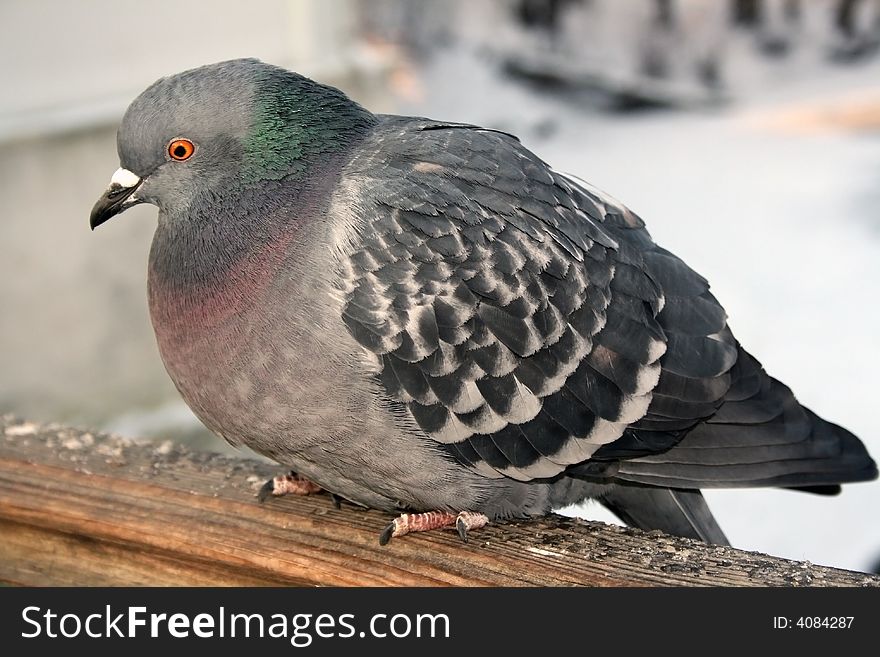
(79, 508)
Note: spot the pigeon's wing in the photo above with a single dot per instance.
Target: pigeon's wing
(483, 284)
(526, 322)
(716, 418)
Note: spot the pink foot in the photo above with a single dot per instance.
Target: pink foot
(422, 522)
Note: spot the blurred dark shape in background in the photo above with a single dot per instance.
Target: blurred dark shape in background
(858, 33)
(746, 12)
(542, 14)
(677, 52)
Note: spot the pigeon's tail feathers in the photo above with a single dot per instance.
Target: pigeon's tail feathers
(673, 510)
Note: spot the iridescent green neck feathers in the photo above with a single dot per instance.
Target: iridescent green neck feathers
(297, 121)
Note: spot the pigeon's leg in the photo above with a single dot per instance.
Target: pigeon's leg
(288, 484)
(422, 522)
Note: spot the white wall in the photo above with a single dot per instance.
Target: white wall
(68, 64)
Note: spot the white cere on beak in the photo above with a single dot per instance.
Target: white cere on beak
(124, 178)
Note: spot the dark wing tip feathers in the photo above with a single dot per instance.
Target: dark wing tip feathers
(754, 446)
(853, 457)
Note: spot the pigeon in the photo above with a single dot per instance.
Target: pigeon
(425, 318)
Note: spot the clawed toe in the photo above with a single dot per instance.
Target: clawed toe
(266, 490)
(288, 484)
(386, 534)
(468, 520)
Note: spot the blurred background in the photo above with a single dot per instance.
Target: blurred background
(745, 132)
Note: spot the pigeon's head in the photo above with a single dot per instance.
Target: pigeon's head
(204, 133)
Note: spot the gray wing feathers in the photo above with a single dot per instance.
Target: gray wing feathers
(531, 326)
(489, 305)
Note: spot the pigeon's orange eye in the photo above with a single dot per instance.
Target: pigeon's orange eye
(181, 149)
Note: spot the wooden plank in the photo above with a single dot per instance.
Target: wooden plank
(79, 508)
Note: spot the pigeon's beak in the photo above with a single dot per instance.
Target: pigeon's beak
(120, 196)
